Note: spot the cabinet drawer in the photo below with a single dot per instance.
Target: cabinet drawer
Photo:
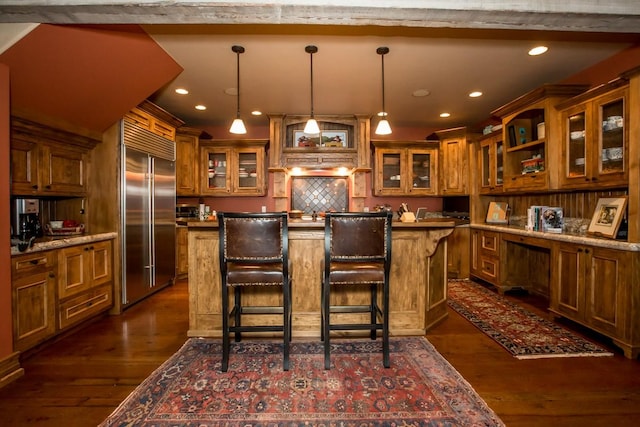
(83, 306)
(489, 270)
(490, 243)
(30, 264)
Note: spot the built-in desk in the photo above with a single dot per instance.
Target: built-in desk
(589, 280)
(418, 287)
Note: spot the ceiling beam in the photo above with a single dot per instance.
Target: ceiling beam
(617, 16)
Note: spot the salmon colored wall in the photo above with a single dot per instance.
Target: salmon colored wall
(608, 69)
(6, 340)
(86, 76)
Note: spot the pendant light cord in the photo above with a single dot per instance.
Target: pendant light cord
(238, 50)
(382, 51)
(311, 50)
(383, 108)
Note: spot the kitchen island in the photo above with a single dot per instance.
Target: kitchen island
(418, 288)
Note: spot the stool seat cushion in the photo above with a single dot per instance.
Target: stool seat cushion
(258, 274)
(345, 273)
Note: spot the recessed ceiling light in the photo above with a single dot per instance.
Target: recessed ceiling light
(201, 107)
(475, 94)
(444, 115)
(182, 91)
(538, 50)
(420, 93)
(256, 113)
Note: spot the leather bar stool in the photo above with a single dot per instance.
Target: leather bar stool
(254, 252)
(357, 252)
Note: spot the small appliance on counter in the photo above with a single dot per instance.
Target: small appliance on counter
(186, 211)
(25, 219)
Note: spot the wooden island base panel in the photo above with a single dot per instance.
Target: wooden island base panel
(418, 294)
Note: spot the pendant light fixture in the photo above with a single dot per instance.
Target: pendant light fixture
(383, 125)
(312, 126)
(237, 126)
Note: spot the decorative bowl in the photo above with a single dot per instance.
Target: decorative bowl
(577, 134)
(614, 153)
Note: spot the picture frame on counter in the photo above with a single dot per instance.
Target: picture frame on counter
(497, 213)
(607, 216)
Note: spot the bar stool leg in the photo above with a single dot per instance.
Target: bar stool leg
(326, 309)
(225, 328)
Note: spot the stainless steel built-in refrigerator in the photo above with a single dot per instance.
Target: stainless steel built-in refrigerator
(148, 213)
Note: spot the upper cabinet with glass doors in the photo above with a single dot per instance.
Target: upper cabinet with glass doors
(491, 163)
(233, 168)
(405, 168)
(594, 137)
(531, 133)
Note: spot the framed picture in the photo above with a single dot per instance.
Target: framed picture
(607, 216)
(498, 213)
(301, 139)
(334, 138)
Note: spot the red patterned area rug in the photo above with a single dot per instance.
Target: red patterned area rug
(522, 333)
(419, 389)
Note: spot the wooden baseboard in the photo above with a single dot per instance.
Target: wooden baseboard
(10, 369)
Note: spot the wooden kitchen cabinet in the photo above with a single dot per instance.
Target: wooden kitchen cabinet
(595, 132)
(233, 168)
(182, 252)
(153, 118)
(454, 161)
(33, 299)
(85, 281)
(491, 164)
(593, 286)
(458, 253)
(47, 161)
(485, 256)
(405, 168)
(528, 123)
(187, 161)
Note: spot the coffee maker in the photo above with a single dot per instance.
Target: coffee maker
(25, 219)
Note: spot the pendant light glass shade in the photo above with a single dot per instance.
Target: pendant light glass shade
(237, 126)
(383, 127)
(312, 126)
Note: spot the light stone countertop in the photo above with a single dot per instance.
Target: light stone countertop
(48, 243)
(562, 237)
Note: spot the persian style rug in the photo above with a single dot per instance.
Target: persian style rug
(522, 333)
(419, 389)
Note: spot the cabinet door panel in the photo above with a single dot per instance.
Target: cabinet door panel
(73, 278)
(63, 171)
(100, 268)
(33, 309)
(24, 168)
(570, 292)
(607, 290)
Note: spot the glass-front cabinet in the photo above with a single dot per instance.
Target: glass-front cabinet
(491, 163)
(595, 139)
(408, 169)
(235, 168)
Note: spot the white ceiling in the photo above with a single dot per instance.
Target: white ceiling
(275, 71)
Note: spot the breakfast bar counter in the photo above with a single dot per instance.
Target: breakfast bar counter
(418, 288)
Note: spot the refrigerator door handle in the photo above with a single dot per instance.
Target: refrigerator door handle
(151, 222)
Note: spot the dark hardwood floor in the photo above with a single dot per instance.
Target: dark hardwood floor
(81, 379)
